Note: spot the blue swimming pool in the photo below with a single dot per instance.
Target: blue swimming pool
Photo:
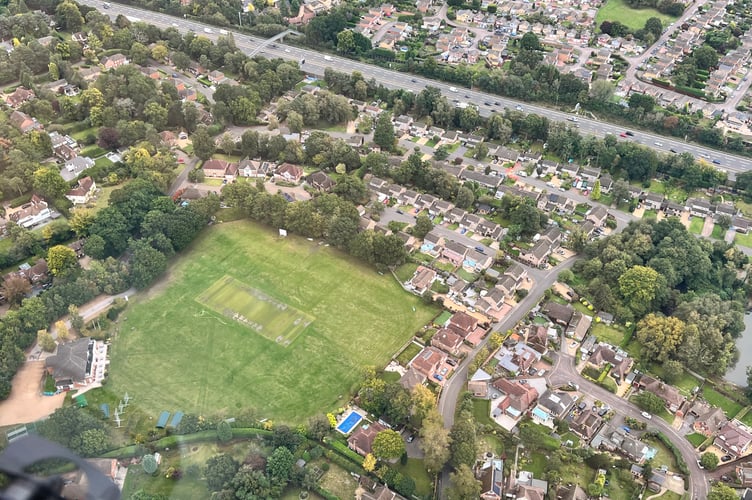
(349, 423)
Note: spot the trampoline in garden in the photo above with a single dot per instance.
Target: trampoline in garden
(162, 421)
(349, 423)
(81, 401)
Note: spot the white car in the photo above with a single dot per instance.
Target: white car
(287, 51)
(646, 415)
(327, 58)
(207, 30)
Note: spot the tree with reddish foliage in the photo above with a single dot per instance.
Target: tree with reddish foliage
(15, 288)
(109, 138)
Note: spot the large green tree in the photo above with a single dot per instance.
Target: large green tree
(464, 485)
(388, 444)
(383, 134)
(660, 336)
(220, 469)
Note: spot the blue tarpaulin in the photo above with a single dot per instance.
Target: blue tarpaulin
(162, 422)
(176, 419)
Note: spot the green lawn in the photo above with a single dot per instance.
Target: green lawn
(663, 455)
(408, 354)
(406, 271)
(729, 407)
(606, 333)
(695, 225)
(744, 240)
(718, 232)
(747, 419)
(696, 439)
(361, 318)
(618, 10)
(482, 411)
(415, 469)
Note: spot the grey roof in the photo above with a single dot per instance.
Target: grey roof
(557, 403)
(71, 360)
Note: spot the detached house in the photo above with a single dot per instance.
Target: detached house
(81, 194)
(24, 122)
(734, 439)
(320, 181)
(31, 213)
(462, 323)
(447, 340)
(668, 393)
(422, 279)
(70, 365)
(361, 440)
(605, 354)
(19, 96)
(708, 419)
(255, 169)
(586, 424)
(551, 406)
(428, 361)
(289, 173)
(114, 61)
(215, 168)
(515, 399)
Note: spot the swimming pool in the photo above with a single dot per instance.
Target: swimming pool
(349, 423)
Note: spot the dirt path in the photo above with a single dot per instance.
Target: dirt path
(707, 228)
(26, 402)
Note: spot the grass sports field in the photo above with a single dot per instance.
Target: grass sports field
(176, 353)
(618, 10)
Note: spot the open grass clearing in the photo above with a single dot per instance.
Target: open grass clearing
(361, 318)
(715, 398)
(406, 271)
(482, 411)
(618, 10)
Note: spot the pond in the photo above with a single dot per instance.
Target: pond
(738, 374)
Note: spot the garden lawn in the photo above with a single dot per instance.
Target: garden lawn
(606, 333)
(415, 469)
(696, 439)
(744, 240)
(618, 10)
(715, 398)
(175, 354)
(482, 411)
(695, 225)
(718, 232)
(408, 353)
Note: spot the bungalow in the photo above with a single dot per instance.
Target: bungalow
(734, 439)
(447, 340)
(289, 173)
(454, 252)
(216, 77)
(32, 213)
(320, 181)
(598, 216)
(361, 441)
(215, 168)
(725, 209)
(19, 96)
(708, 419)
(741, 224)
(505, 155)
(515, 399)
(561, 314)
(605, 354)
(428, 361)
(81, 194)
(586, 424)
(669, 394)
(551, 406)
(114, 61)
(24, 122)
(489, 181)
(462, 323)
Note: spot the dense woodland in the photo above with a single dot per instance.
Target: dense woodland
(682, 292)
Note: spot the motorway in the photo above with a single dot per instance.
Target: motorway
(316, 62)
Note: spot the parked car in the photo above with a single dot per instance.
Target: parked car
(410, 438)
(582, 406)
(646, 415)
(726, 458)
(438, 377)
(630, 134)
(451, 362)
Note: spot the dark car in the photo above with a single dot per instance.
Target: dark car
(451, 362)
(400, 212)
(717, 162)
(582, 406)
(630, 134)
(602, 412)
(726, 458)
(414, 80)
(497, 103)
(673, 150)
(487, 103)
(410, 438)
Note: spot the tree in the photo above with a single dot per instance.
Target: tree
(78, 430)
(705, 57)
(62, 330)
(369, 463)
(649, 402)
(620, 191)
(530, 41)
(68, 16)
(709, 460)
(146, 264)
(434, 442)
(279, 465)
(224, 432)
(654, 26)
(423, 226)
(720, 491)
(641, 286)
(203, 143)
(423, 401)
(660, 336)
(45, 341)
(464, 198)
(673, 370)
(149, 464)
(15, 288)
(595, 194)
(464, 484)
(295, 122)
(724, 221)
(76, 320)
(388, 444)
(383, 134)
(60, 259)
(49, 183)
(220, 469)
(463, 440)
(95, 247)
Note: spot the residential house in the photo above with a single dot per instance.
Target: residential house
(744, 473)
(478, 383)
(422, 280)
(734, 439)
(75, 166)
(19, 96)
(726, 209)
(32, 213)
(90, 74)
(440, 207)
(672, 209)
(590, 174)
(447, 340)
(71, 361)
(598, 216)
(432, 244)
(114, 61)
(586, 424)
(81, 194)
(536, 255)
(605, 354)
(741, 224)
(518, 359)
(361, 441)
(24, 122)
(668, 393)
(488, 181)
(653, 201)
(571, 492)
(579, 326)
(476, 261)
(553, 236)
(570, 169)
(708, 419)
(425, 201)
(699, 207)
(606, 184)
(454, 252)
(620, 441)
(491, 475)
(37, 273)
(408, 197)
(455, 215)
(255, 168)
(428, 361)
(470, 222)
(528, 488)
(371, 490)
(561, 314)
(516, 398)
(289, 173)
(412, 378)
(462, 323)
(408, 239)
(552, 406)
(320, 181)
(215, 168)
(490, 229)
(216, 77)
(505, 155)
(537, 337)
